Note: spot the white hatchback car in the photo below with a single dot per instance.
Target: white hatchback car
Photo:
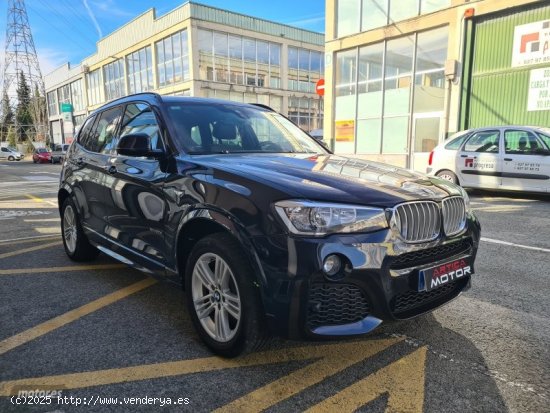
(499, 157)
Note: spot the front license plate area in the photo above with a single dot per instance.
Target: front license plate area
(440, 275)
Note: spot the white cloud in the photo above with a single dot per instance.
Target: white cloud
(92, 17)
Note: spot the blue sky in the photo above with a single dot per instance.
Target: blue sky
(67, 30)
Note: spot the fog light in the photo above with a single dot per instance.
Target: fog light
(332, 265)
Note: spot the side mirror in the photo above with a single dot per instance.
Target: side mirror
(137, 144)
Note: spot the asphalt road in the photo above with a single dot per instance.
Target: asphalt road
(103, 333)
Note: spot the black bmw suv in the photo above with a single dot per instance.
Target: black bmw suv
(267, 231)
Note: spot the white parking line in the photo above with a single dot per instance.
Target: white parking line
(26, 238)
(511, 244)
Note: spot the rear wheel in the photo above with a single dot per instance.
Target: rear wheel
(223, 303)
(448, 176)
(76, 244)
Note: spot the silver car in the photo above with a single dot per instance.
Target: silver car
(497, 157)
(10, 154)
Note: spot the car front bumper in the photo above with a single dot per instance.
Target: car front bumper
(380, 281)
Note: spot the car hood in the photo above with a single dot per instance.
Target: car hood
(329, 178)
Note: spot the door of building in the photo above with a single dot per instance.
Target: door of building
(425, 136)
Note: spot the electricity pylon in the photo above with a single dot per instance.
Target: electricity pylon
(20, 57)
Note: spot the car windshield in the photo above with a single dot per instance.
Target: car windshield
(206, 128)
(11, 148)
(41, 150)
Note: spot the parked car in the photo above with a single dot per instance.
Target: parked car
(41, 155)
(11, 154)
(59, 152)
(266, 229)
(497, 157)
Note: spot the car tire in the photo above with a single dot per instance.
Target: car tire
(231, 321)
(11, 158)
(76, 244)
(34, 161)
(448, 176)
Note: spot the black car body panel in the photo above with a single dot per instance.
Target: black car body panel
(149, 212)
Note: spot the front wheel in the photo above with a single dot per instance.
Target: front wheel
(448, 176)
(11, 158)
(221, 297)
(76, 244)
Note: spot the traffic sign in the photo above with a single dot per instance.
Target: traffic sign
(320, 87)
(66, 107)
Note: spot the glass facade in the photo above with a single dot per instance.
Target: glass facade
(273, 101)
(139, 67)
(64, 94)
(239, 60)
(305, 68)
(77, 99)
(52, 103)
(173, 59)
(94, 87)
(113, 75)
(355, 16)
(381, 87)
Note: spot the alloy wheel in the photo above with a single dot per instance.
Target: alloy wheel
(69, 228)
(216, 297)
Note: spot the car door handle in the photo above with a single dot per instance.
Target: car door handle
(111, 169)
(508, 159)
(463, 156)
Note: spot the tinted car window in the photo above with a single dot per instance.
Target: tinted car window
(5, 150)
(84, 134)
(226, 128)
(104, 129)
(485, 141)
(139, 118)
(546, 139)
(456, 142)
(522, 142)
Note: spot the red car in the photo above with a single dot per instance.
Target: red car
(41, 155)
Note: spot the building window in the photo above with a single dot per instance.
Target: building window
(139, 66)
(76, 96)
(64, 94)
(94, 87)
(355, 16)
(305, 68)
(239, 60)
(173, 59)
(373, 88)
(52, 103)
(113, 74)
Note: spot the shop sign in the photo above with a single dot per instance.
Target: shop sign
(531, 44)
(538, 97)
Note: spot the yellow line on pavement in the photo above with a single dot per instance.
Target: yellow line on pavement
(178, 368)
(30, 249)
(40, 200)
(24, 271)
(403, 381)
(38, 238)
(308, 376)
(59, 321)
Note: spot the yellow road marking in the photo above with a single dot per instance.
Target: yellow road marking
(403, 380)
(59, 321)
(43, 220)
(30, 249)
(182, 367)
(16, 271)
(40, 200)
(38, 238)
(308, 376)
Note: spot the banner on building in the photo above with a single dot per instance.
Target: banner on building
(539, 90)
(531, 44)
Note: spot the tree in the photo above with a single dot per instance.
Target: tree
(39, 113)
(23, 110)
(7, 119)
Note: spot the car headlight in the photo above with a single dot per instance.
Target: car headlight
(316, 218)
